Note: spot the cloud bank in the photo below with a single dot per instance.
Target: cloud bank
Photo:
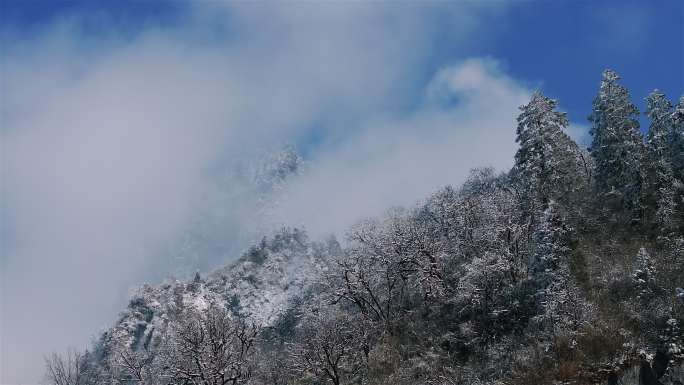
(110, 145)
(466, 121)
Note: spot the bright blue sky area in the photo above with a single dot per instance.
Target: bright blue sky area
(563, 46)
(566, 45)
(559, 46)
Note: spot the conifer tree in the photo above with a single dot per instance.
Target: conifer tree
(676, 141)
(644, 274)
(561, 301)
(543, 150)
(551, 245)
(659, 166)
(617, 145)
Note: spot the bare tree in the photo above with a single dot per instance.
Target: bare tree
(274, 366)
(139, 367)
(69, 369)
(211, 348)
(330, 348)
(389, 265)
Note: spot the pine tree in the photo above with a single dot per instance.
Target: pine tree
(560, 298)
(551, 245)
(676, 141)
(659, 167)
(543, 147)
(617, 146)
(676, 148)
(644, 274)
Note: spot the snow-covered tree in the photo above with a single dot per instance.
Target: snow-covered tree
(484, 279)
(661, 184)
(211, 348)
(677, 141)
(370, 276)
(72, 368)
(660, 112)
(487, 219)
(144, 367)
(561, 302)
(539, 134)
(644, 273)
(551, 245)
(390, 263)
(331, 349)
(274, 366)
(617, 145)
(564, 308)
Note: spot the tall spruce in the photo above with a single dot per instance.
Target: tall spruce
(676, 141)
(542, 150)
(617, 146)
(552, 245)
(661, 187)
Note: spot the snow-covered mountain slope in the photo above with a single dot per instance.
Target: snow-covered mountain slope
(260, 285)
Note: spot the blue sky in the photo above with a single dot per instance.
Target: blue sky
(563, 46)
(121, 121)
(566, 44)
(558, 46)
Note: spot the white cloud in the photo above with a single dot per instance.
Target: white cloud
(398, 161)
(106, 147)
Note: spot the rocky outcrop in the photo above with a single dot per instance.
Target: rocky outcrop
(261, 285)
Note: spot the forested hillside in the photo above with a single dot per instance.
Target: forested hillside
(566, 269)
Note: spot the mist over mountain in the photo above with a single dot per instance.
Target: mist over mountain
(340, 193)
(565, 269)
